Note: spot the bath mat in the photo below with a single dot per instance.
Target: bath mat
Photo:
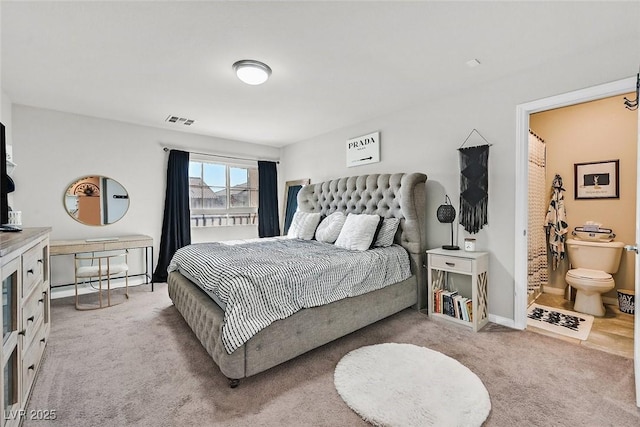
(563, 322)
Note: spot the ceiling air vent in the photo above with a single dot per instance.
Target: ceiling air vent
(179, 120)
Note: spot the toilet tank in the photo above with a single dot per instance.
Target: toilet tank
(603, 256)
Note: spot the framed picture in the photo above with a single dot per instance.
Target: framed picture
(597, 180)
(363, 150)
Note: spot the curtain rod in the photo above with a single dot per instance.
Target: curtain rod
(223, 156)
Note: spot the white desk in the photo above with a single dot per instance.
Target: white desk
(138, 241)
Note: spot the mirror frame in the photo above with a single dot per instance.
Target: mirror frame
(287, 187)
(91, 188)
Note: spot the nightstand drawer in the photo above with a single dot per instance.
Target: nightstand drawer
(450, 263)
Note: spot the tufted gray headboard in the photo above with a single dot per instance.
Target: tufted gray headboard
(397, 195)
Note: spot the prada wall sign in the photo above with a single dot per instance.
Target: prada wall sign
(363, 149)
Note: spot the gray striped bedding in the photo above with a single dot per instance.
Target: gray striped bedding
(264, 280)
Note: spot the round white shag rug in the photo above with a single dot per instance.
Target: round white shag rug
(406, 385)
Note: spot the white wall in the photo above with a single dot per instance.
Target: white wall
(5, 115)
(52, 149)
(425, 138)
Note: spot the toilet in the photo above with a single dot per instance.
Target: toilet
(592, 264)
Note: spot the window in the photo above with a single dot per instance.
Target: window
(223, 194)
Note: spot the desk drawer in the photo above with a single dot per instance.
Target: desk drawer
(450, 263)
(32, 268)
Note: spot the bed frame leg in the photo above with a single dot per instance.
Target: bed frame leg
(233, 382)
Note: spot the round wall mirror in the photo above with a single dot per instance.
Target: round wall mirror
(96, 200)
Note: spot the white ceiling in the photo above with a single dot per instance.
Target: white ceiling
(334, 63)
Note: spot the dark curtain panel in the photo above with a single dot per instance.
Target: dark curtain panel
(268, 220)
(176, 228)
(292, 206)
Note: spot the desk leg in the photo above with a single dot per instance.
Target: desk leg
(151, 268)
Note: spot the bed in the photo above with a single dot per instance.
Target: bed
(401, 196)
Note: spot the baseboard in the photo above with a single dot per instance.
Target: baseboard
(85, 288)
(553, 291)
(610, 300)
(509, 323)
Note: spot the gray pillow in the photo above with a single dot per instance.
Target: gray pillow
(387, 232)
(329, 228)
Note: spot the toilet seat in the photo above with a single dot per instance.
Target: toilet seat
(591, 275)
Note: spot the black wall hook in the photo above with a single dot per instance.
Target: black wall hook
(632, 104)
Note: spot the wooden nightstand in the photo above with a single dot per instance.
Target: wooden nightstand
(457, 282)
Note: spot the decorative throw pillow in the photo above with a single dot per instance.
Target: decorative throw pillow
(329, 228)
(303, 225)
(387, 232)
(358, 232)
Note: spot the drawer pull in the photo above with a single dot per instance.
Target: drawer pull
(31, 367)
(30, 271)
(22, 332)
(40, 261)
(450, 264)
(43, 340)
(30, 319)
(41, 300)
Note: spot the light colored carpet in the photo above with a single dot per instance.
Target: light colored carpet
(404, 385)
(564, 322)
(139, 364)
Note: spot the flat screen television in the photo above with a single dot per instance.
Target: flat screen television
(4, 179)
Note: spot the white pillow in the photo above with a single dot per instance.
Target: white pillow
(387, 232)
(329, 228)
(358, 231)
(303, 225)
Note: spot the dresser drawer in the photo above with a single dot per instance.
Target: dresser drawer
(32, 267)
(31, 359)
(450, 263)
(32, 314)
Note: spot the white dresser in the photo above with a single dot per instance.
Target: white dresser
(25, 316)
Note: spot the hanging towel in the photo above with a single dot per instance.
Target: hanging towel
(556, 223)
(474, 186)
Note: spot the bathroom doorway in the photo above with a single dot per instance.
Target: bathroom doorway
(523, 112)
(595, 131)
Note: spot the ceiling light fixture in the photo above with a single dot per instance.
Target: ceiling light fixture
(252, 72)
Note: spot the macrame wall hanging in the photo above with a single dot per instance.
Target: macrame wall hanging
(474, 184)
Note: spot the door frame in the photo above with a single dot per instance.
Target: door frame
(523, 111)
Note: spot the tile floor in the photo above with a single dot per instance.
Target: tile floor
(612, 333)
